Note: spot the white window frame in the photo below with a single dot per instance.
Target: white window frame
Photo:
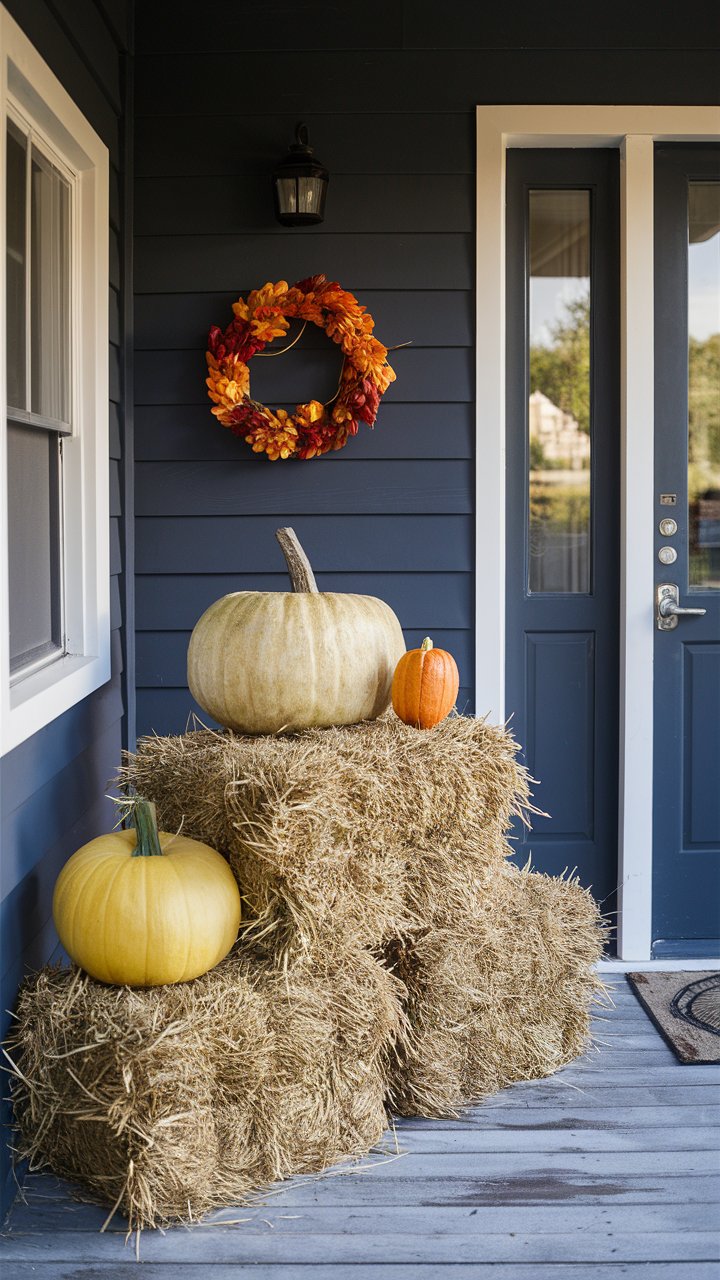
(30, 90)
(634, 130)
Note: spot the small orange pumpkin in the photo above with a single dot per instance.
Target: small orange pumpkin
(425, 685)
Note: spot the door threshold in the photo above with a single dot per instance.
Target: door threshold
(612, 965)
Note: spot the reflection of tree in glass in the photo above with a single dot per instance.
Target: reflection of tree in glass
(704, 461)
(704, 413)
(562, 370)
(538, 461)
(563, 507)
(559, 448)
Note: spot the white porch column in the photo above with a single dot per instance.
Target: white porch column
(637, 484)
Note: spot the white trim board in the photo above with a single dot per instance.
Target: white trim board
(31, 92)
(634, 130)
(656, 966)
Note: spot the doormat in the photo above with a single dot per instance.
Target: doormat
(685, 1008)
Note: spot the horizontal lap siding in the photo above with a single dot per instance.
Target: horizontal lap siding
(391, 514)
(53, 786)
(388, 92)
(407, 80)
(324, 26)
(184, 564)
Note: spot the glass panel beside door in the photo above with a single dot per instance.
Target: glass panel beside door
(562, 480)
(704, 386)
(559, 425)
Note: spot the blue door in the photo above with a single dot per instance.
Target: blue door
(562, 503)
(686, 829)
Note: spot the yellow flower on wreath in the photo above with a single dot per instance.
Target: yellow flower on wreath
(227, 383)
(277, 438)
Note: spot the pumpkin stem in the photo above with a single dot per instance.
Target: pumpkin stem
(145, 820)
(426, 645)
(299, 567)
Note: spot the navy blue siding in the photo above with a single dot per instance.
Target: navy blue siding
(388, 91)
(391, 515)
(52, 787)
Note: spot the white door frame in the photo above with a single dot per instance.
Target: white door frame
(634, 130)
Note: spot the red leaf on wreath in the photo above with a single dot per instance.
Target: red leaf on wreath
(310, 284)
(363, 401)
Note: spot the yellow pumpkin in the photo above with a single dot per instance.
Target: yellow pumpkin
(274, 661)
(143, 908)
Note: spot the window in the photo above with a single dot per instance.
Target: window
(39, 208)
(54, 561)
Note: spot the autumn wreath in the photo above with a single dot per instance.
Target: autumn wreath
(313, 428)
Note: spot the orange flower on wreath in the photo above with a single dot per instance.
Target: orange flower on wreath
(313, 428)
(228, 383)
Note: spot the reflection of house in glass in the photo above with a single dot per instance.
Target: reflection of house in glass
(555, 436)
(559, 498)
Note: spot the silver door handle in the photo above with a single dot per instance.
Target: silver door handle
(668, 608)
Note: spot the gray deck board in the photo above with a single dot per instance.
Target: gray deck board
(227, 1244)
(610, 1168)
(367, 1271)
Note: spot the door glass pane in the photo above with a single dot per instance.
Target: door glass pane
(16, 267)
(704, 385)
(33, 545)
(559, 417)
(49, 290)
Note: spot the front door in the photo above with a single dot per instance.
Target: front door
(686, 828)
(562, 533)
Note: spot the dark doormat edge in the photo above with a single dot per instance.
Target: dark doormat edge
(637, 980)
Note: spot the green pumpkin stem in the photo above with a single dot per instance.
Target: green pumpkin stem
(426, 645)
(145, 821)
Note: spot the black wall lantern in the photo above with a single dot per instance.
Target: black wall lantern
(300, 183)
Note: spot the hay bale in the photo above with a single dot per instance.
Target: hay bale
(369, 828)
(171, 1101)
(398, 839)
(393, 956)
(502, 993)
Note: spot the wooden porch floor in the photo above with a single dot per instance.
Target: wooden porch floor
(609, 1169)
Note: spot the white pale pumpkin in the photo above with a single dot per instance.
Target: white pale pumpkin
(278, 661)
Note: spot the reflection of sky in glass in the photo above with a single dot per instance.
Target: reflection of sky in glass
(549, 298)
(704, 290)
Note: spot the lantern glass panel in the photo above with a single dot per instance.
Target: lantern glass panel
(287, 195)
(310, 191)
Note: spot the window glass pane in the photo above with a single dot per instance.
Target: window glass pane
(16, 266)
(49, 290)
(33, 544)
(559, 418)
(704, 385)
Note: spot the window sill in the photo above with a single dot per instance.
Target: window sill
(46, 694)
